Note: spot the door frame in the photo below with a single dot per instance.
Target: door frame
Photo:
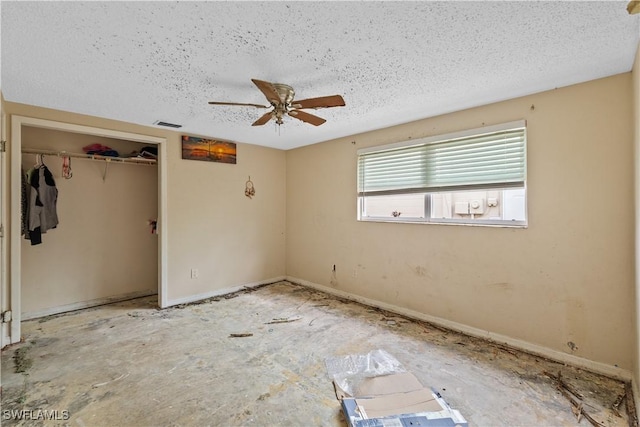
(17, 122)
(5, 336)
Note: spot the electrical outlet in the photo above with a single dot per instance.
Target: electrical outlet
(194, 273)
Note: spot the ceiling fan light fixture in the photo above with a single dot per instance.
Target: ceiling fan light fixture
(280, 96)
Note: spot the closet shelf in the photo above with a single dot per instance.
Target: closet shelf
(135, 160)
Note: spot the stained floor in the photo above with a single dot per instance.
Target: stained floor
(131, 364)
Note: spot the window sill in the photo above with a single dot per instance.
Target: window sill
(514, 224)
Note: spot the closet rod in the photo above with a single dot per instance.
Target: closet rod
(136, 160)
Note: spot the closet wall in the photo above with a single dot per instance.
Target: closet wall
(103, 247)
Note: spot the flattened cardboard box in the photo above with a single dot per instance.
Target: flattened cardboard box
(396, 400)
(382, 385)
(445, 418)
(408, 420)
(388, 405)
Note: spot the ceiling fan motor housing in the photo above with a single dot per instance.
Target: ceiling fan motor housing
(285, 92)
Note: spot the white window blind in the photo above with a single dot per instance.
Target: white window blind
(482, 158)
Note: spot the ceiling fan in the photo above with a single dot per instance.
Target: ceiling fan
(280, 97)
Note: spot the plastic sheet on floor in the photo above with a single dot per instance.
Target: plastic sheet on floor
(376, 391)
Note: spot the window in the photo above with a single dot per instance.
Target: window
(471, 177)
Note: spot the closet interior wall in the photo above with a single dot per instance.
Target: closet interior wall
(102, 248)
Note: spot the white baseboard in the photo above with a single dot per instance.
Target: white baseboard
(224, 291)
(87, 304)
(598, 367)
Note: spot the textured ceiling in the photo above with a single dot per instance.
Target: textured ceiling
(393, 62)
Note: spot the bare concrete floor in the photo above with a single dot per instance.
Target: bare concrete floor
(130, 364)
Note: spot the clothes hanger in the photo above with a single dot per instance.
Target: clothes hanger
(39, 161)
(67, 173)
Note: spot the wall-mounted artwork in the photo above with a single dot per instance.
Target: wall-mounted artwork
(209, 150)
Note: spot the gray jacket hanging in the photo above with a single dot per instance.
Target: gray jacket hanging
(43, 198)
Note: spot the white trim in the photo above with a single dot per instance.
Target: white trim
(5, 336)
(87, 304)
(598, 367)
(15, 253)
(441, 221)
(89, 130)
(447, 136)
(16, 160)
(218, 292)
(162, 228)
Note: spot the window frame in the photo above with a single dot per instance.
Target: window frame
(428, 218)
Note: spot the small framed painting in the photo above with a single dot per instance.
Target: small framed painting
(208, 150)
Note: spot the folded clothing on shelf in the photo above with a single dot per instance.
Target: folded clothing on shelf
(100, 149)
(149, 152)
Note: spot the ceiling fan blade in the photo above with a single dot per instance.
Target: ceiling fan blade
(306, 117)
(238, 103)
(321, 102)
(269, 91)
(262, 120)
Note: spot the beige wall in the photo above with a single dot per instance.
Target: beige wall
(567, 278)
(102, 246)
(230, 239)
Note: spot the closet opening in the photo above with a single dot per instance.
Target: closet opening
(109, 241)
